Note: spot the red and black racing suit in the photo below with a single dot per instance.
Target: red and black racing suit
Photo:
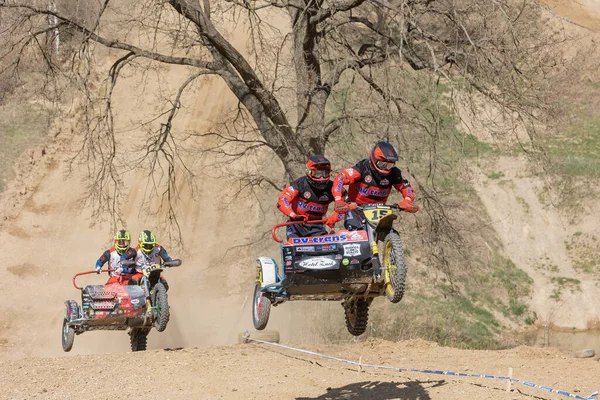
(368, 186)
(300, 198)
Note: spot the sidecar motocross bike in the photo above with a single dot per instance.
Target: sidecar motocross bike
(353, 267)
(134, 304)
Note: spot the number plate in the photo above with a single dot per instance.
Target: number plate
(376, 214)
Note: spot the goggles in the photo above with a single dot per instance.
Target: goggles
(320, 173)
(385, 165)
(148, 246)
(122, 242)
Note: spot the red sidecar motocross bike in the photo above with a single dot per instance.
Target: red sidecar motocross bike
(134, 304)
(353, 267)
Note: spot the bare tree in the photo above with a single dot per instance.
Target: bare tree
(288, 85)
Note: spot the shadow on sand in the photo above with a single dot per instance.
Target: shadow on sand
(410, 390)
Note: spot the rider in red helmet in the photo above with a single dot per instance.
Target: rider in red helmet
(370, 182)
(308, 198)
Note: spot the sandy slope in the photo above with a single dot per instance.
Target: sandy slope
(534, 235)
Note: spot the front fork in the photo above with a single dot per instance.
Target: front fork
(377, 271)
(146, 284)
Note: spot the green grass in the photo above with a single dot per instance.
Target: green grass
(22, 126)
(503, 288)
(450, 321)
(584, 252)
(461, 317)
(561, 283)
(577, 152)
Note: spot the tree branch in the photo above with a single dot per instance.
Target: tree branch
(115, 44)
(325, 13)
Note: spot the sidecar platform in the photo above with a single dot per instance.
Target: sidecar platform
(108, 307)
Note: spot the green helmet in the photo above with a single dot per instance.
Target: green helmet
(122, 241)
(147, 242)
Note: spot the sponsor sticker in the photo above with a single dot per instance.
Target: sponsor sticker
(305, 248)
(135, 301)
(327, 247)
(352, 250)
(384, 182)
(354, 261)
(321, 239)
(368, 179)
(317, 263)
(324, 198)
(307, 195)
(338, 256)
(356, 236)
(288, 263)
(345, 261)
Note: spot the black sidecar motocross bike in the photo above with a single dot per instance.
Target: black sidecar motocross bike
(137, 302)
(353, 267)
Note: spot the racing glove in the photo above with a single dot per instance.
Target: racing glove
(332, 219)
(296, 217)
(406, 205)
(98, 270)
(340, 206)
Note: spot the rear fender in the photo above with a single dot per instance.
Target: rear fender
(266, 271)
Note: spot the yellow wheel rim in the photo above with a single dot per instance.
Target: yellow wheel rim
(389, 267)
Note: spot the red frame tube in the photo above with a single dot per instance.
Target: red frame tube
(86, 273)
(275, 238)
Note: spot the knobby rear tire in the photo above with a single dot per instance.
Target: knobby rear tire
(138, 337)
(357, 316)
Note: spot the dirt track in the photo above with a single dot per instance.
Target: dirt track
(255, 371)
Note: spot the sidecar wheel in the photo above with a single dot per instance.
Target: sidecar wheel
(395, 270)
(261, 309)
(68, 336)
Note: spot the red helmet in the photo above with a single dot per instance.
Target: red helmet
(318, 170)
(384, 157)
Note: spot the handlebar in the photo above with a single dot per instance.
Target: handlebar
(274, 235)
(411, 208)
(176, 262)
(362, 207)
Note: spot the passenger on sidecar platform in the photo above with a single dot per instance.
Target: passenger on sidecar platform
(308, 198)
